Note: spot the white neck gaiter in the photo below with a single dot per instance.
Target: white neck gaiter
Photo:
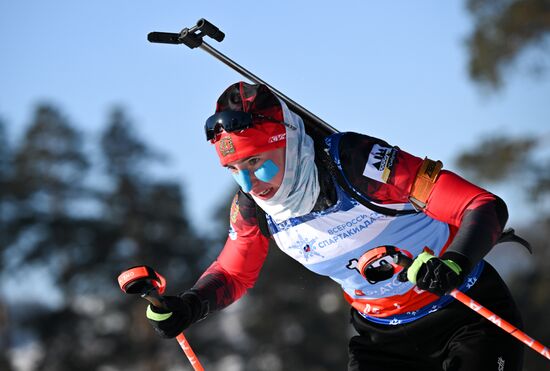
(300, 186)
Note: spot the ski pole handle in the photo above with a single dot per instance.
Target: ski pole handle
(150, 285)
(506, 326)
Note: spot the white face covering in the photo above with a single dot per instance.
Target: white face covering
(300, 186)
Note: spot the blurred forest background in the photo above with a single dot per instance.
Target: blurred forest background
(77, 210)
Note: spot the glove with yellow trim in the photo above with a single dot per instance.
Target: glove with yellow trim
(179, 313)
(436, 275)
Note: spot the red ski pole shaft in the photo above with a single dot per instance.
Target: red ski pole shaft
(506, 326)
(184, 344)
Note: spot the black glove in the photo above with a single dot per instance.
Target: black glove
(436, 275)
(179, 313)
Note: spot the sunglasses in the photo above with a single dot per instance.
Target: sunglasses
(231, 121)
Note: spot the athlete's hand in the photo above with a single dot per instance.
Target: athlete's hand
(179, 313)
(436, 275)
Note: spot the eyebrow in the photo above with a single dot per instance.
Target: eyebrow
(242, 160)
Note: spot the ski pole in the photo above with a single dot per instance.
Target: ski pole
(503, 324)
(374, 267)
(184, 344)
(150, 285)
(193, 38)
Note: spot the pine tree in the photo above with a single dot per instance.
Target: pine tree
(504, 30)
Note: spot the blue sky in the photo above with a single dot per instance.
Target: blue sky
(394, 70)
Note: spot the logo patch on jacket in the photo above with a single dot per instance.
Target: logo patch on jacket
(380, 163)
